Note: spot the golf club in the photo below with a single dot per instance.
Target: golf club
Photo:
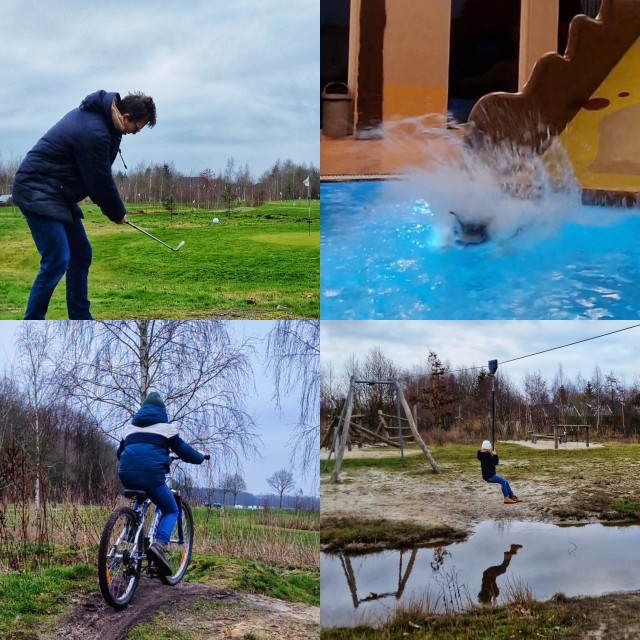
(146, 233)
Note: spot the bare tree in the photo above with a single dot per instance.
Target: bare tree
(293, 358)
(437, 394)
(597, 385)
(35, 372)
(233, 483)
(281, 481)
(201, 371)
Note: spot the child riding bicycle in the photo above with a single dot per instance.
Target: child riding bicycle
(144, 463)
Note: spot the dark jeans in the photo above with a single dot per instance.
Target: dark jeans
(63, 248)
(163, 499)
(504, 485)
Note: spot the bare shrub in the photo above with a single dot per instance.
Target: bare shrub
(518, 594)
(264, 541)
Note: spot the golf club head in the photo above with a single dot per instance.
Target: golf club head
(179, 246)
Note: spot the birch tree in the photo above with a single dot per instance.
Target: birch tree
(293, 358)
(35, 373)
(202, 372)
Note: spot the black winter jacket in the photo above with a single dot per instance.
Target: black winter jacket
(488, 464)
(73, 161)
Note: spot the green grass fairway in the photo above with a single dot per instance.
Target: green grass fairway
(257, 263)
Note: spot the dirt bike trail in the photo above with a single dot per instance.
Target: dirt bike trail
(202, 611)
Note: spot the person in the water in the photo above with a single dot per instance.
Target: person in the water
(470, 232)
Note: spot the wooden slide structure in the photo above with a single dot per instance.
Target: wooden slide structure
(588, 99)
(342, 430)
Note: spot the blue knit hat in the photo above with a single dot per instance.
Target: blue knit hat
(153, 397)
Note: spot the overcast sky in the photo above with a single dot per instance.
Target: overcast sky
(274, 427)
(467, 343)
(230, 79)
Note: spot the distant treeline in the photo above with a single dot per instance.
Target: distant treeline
(78, 461)
(456, 405)
(208, 189)
(217, 497)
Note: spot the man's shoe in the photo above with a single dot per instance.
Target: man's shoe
(516, 498)
(508, 500)
(156, 553)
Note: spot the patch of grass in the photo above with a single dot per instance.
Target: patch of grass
(627, 508)
(357, 535)
(293, 585)
(517, 462)
(26, 597)
(257, 263)
(284, 582)
(480, 624)
(156, 630)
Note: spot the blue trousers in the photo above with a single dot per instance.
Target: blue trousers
(64, 249)
(163, 499)
(506, 489)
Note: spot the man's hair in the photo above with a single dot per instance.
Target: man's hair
(139, 107)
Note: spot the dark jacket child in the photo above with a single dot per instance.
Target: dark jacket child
(72, 161)
(144, 463)
(488, 463)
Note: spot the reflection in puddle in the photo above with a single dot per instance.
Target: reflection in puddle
(588, 560)
(489, 590)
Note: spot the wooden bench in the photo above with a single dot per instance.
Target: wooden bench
(562, 432)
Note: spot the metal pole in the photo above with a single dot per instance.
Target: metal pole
(493, 412)
(493, 367)
(400, 439)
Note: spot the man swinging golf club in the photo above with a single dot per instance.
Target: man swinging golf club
(70, 162)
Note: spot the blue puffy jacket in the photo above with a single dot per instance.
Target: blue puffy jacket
(144, 450)
(73, 161)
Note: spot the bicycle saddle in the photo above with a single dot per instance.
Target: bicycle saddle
(136, 494)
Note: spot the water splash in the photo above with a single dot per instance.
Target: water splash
(508, 190)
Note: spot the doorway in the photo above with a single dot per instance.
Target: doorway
(483, 55)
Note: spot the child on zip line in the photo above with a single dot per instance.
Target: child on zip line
(488, 463)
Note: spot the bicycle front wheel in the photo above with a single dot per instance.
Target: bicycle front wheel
(118, 568)
(180, 545)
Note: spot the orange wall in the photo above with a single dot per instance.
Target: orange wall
(538, 34)
(416, 51)
(416, 57)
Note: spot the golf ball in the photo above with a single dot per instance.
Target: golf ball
(215, 221)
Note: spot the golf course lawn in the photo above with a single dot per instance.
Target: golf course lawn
(256, 263)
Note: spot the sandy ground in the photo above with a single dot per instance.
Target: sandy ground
(202, 611)
(460, 502)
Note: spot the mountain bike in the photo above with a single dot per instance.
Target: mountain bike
(122, 556)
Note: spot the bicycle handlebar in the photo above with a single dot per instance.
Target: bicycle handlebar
(174, 458)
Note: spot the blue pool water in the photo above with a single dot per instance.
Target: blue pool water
(548, 559)
(385, 257)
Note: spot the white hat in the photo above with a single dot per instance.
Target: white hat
(486, 445)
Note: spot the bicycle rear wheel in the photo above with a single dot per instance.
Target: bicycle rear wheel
(179, 549)
(118, 569)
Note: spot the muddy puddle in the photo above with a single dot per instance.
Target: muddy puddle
(587, 560)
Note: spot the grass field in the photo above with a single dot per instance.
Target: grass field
(273, 553)
(257, 263)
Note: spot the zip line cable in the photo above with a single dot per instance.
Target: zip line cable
(537, 353)
(570, 344)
